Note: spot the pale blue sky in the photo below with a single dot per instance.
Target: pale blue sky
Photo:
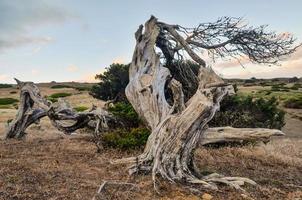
(65, 40)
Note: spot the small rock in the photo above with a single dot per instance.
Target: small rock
(206, 196)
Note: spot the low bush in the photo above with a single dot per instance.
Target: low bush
(242, 112)
(123, 139)
(296, 86)
(7, 101)
(126, 114)
(279, 88)
(3, 85)
(54, 97)
(60, 95)
(80, 108)
(293, 103)
(113, 83)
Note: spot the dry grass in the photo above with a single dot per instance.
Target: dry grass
(50, 165)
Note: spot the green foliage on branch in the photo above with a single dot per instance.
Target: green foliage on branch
(113, 83)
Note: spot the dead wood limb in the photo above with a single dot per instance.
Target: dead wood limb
(228, 134)
(33, 107)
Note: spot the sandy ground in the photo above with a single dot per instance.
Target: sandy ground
(50, 165)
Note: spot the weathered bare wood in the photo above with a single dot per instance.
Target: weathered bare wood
(177, 129)
(33, 107)
(237, 135)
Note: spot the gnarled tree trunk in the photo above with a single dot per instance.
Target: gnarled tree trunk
(176, 129)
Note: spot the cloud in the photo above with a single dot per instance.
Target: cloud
(19, 18)
(72, 68)
(290, 67)
(21, 40)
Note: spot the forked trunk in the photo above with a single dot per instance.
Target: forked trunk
(176, 129)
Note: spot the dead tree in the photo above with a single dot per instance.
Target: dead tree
(175, 100)
(33, 107)
(178, 127)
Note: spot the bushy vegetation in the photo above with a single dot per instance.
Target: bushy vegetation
(293, 103)
(8, 101)
(60, 95)
(123, 139)
(112, 83)
(83, 88)
(237, 111)
(80, 108)
(54, 97)
(125, 113)
(279, 87)
(296, 86)
(3, 85)
(244, 111)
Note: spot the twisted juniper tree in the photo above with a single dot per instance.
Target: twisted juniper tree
(178, 127)
(175, 100)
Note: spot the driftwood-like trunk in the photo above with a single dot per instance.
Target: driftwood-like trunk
(33, 107)
(177, 129)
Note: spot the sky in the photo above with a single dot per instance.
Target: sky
(72, 40)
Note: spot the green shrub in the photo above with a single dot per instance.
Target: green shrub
(242, 112)
(83, 88)
(60, 95)
(113, 83)
(60, 86)
(120, 138)
(7, 101)
(279, 87)
(296, 86)
(80, 108)
(54, 97)
(293, 103)
(3, 85)
(126, 114)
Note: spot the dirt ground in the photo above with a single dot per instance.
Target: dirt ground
(50, 165)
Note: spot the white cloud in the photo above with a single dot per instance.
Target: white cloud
(19, 18)
(288, 68)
